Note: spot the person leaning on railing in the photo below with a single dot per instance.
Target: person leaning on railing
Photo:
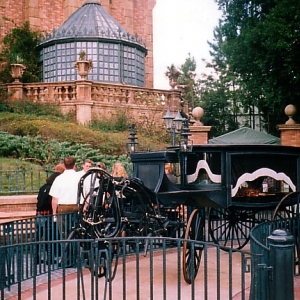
(64, 195)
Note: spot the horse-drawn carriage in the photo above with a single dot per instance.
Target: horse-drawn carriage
(224, 188)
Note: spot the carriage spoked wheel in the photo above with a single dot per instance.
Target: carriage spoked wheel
(192, 252)
(288, 207)
(230, 227)
(288, 212)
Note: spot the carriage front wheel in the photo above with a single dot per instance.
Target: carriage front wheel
(192, 251)
(230, 227)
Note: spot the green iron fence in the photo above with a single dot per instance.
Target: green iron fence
(22, 179)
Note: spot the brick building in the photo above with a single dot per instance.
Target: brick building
(45, 15)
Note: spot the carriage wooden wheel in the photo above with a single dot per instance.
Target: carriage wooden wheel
(288, 207)
(192, 253)
(230, 227)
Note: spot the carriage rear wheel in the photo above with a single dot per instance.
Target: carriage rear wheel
(192, 252)
(288, 211)
(288, 207)
(230, 227)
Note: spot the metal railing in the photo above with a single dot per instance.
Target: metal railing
(157, 275)
(33, 252)
(20, 179)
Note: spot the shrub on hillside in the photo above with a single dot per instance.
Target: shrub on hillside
(50, 152)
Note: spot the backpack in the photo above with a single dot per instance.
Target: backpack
(44, 200)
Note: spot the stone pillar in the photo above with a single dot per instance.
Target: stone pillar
(83, 101)
(290, 135)
(15, 89)
(199, 132)
(84, 112)
(290, 131)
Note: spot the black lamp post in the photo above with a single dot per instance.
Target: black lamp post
(186, 145)
(132, 145)
(173, 125)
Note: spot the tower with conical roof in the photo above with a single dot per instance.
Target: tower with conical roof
(117, 56)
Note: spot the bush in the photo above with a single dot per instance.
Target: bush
(48, 153)
(118, 122)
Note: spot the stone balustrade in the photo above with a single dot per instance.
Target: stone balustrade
(49, 92)
(94, 99)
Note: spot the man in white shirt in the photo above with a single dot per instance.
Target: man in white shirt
(91, 180)
(87, 164)
(64, 193)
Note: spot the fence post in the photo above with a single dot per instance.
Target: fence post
(281, 258)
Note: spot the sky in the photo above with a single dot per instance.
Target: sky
(181, 27)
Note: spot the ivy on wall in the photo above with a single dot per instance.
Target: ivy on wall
(20, 46)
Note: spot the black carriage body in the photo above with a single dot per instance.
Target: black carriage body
(220, 175)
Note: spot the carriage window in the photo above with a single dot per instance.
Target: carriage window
(204, 168)
(172, 171)
(262, 186)
(149, 174)
(258, 174)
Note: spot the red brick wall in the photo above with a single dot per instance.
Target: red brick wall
(199, 134)
(45, 15)
(290, 135)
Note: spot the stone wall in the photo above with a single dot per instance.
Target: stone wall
(17, 207)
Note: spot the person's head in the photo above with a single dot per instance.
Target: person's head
(87, 164)
(118, 170)
(101, 165)
(59, 168)
(168, 168)
(69, 162)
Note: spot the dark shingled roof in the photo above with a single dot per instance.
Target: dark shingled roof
(91, 20)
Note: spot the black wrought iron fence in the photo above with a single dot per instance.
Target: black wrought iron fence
(20, 179)
(32, 252)
(124, 271)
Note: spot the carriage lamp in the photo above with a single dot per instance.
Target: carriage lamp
(132, 145)
(173, 125)
(186, 145)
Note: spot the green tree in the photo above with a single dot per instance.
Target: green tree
(219, 91)
(21, 43)
(261, 46)
(187, 81)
